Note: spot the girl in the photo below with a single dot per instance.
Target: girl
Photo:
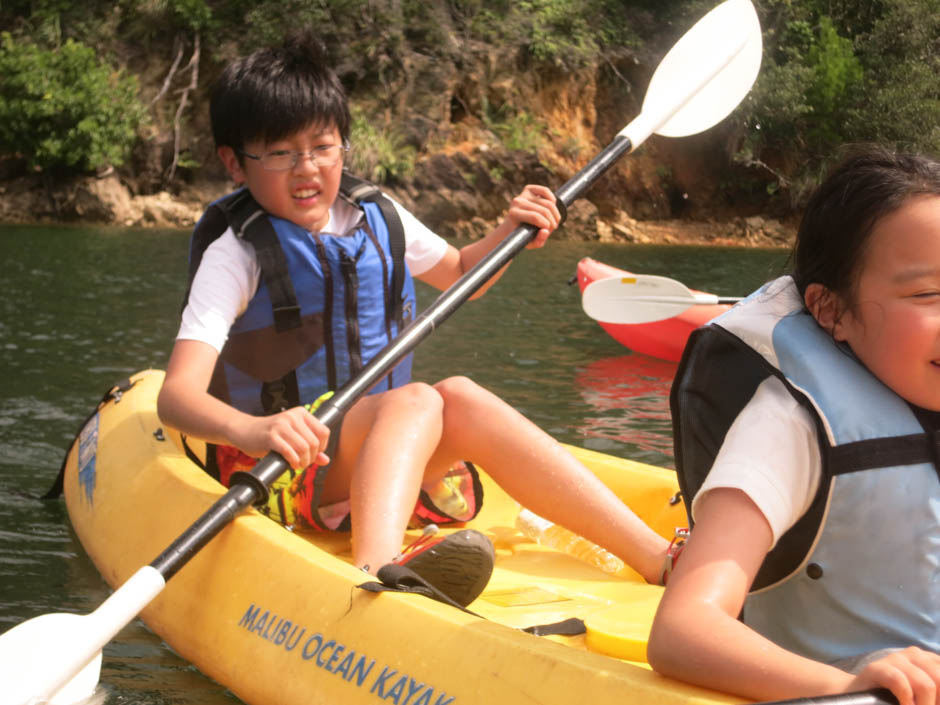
(805, 421)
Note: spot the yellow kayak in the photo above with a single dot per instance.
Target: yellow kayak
(277, 616)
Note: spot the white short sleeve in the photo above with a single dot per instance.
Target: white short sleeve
(423, 247)
(226, 280)
(772, 455)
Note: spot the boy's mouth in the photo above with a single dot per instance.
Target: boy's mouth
(306, 193)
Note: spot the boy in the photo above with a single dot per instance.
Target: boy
(248, 354)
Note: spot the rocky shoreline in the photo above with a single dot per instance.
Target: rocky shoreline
(106, 200)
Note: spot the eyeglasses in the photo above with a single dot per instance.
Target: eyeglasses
(284, 159)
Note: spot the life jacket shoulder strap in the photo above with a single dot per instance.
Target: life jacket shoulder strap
(249, 222)
(359, 191)
(241, 212)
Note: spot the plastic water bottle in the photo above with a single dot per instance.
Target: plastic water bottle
(546, 533)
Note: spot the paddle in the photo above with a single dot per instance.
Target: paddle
(702, 78)
(642, 298)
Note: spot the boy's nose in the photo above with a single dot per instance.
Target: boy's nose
(307, 160)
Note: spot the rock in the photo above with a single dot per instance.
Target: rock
(104, 200)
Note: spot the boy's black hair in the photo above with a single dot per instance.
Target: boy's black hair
(275, 92)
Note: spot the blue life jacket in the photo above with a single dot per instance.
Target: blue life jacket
(860, 571)
(325, 304)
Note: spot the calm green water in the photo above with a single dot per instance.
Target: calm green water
(82, 308)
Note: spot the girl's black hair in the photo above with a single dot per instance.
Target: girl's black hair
(276, 92)
(870, 183)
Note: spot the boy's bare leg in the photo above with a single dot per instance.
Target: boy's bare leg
(386, 442)
(536, 471)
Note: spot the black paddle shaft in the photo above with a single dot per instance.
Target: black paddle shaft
(252, 487)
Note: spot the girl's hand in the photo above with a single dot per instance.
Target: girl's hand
(535, 206)
(295, 433)
(913, 675)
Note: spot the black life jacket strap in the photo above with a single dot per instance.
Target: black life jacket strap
(281, 394)
(882, 452)
(249, 222)
(930, 420)
(328, 294)
(359, 191)
(350, 274)
(911, 449)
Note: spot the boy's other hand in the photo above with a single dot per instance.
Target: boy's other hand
(295, 433)
(535, 206)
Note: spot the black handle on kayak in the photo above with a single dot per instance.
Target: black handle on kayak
(876, 696)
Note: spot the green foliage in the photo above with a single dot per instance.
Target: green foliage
(62, 108)
(270, 20)
(560, 33)
(902, 58)
(193, 14)
(378, 155)
(856, 53)
(567, 34)
(836, 70)
(817, 90)
(517, 130)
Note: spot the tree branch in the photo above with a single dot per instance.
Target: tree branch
(193, 68)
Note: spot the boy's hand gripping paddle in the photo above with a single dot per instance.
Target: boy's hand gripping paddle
(56, 657)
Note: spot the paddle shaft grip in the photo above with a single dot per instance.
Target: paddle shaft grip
(252, 488)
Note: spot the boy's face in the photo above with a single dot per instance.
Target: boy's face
(302, 194)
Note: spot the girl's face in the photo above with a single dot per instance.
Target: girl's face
(893, 325)
(301, 194)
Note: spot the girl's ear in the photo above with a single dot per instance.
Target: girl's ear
(232, 164)
(825, 307)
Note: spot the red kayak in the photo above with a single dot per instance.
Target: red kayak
(663, 339)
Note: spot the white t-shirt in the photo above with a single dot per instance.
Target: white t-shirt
(229, 274)
(770, 453)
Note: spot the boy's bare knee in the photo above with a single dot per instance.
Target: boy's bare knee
(416, 395)
(458, 387)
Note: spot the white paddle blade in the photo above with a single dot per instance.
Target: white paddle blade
(641, 298)
(56, 658)
(28, 650)
(704, 76)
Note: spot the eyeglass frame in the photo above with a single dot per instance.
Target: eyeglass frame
(297, 154)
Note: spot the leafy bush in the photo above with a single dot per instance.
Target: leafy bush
(837, 72)
(64, 109)
(378, 155)
(518, 130)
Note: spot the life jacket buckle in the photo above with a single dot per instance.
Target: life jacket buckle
(286, 318)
